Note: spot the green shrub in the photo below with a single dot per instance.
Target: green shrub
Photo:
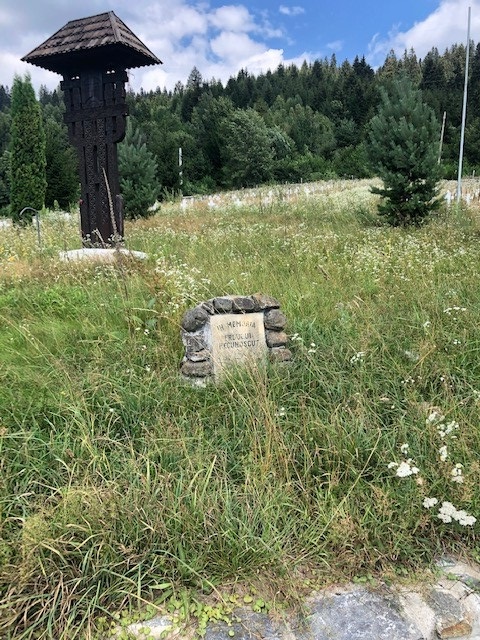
(402, 148)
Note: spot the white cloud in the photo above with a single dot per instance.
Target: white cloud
(233, 46)
(336, 45)
(7, 18)
(291, 11)
(173, 20)
(232, 18)
(442, 28)
(261, 62)
(11, 65)
(219, 41)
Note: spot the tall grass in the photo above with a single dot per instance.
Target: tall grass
(122, 486)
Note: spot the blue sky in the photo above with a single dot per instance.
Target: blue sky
(220, 37)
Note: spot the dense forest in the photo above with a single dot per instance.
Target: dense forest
(292, 124)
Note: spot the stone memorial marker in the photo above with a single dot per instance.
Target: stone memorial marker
(222, 333)
(237, 338)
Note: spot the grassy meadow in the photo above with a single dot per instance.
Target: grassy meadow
(123, 488)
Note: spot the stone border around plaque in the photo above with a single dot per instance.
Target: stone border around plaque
(230, 331)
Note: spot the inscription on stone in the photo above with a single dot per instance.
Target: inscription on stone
(227, 331)
(237, 338)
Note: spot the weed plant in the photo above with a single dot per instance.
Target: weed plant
(121, 486)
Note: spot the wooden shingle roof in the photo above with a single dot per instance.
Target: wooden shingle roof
(101, 42)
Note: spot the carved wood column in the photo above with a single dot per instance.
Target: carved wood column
(96, 113)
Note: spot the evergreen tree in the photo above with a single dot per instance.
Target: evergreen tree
(5, 126)
(137, 168)
(4, 98)
(474, 88)
(402, 148)
(27, 145)
(164, 133)
(411, 66)
(4, 183)
(192, 93)
(390, 67)
(61, 173)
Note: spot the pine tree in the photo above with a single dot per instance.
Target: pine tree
(137, 168)
(27, 146)
(192, 94)
(402, 149)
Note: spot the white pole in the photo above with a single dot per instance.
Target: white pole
(464, 114)
(441, 137)
(180, 167)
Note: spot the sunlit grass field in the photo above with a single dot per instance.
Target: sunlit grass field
(122, 486)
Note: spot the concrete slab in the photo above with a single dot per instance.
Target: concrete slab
(100, 255)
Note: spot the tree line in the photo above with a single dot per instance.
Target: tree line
(292, 124)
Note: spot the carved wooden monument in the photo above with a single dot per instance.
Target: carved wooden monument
(92, 54)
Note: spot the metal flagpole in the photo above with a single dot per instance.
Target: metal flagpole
(464, 114)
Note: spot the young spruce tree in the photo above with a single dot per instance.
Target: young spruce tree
(27, 146)
(138, 169)
(402, 148)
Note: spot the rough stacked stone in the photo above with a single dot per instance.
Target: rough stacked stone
(196, 335)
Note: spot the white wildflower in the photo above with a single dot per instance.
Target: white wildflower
(457, 473)
(357, 357)
(450, 310)
(444, 517)
(466, 520)
(447, 508)
(451, 426)
(448, 512)
(428, 503)
(406, 469)
(435, 417)
(443, 452)
(411, 355)
(404, 448)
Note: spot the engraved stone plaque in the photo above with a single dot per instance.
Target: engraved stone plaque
(230, 330)
(237, 339)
